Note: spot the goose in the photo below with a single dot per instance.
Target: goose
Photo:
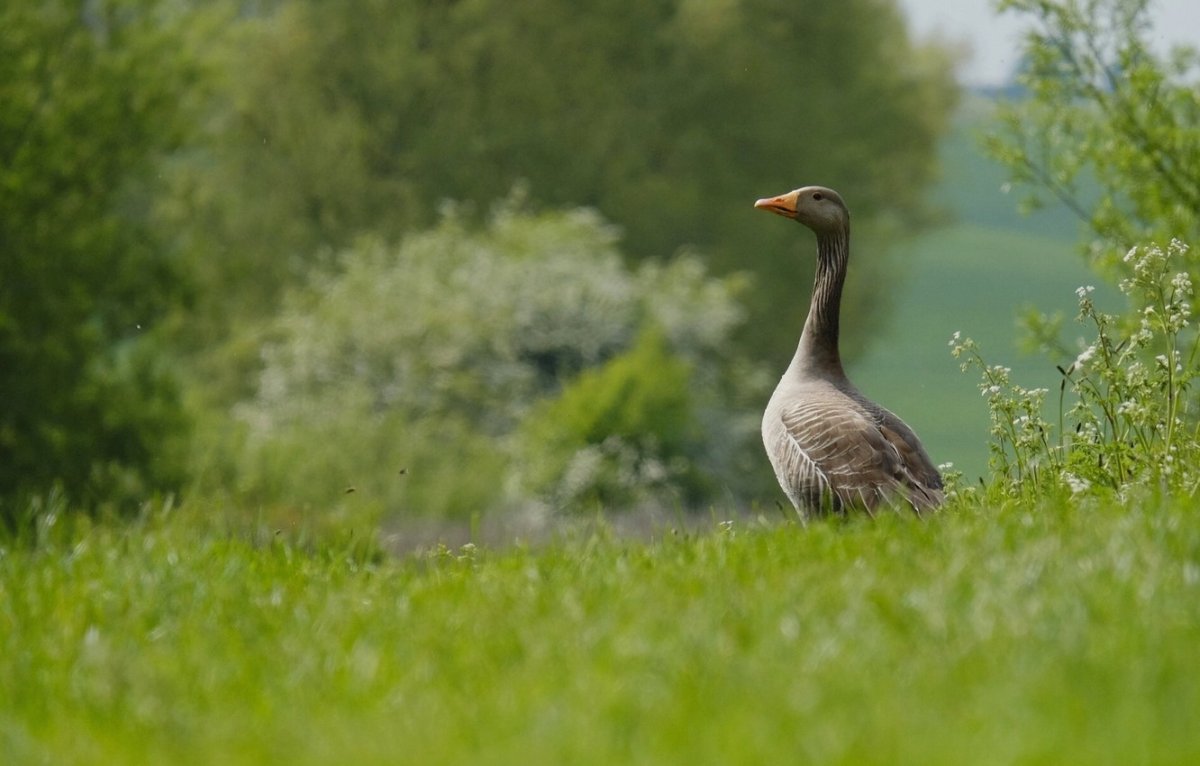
(834, 450)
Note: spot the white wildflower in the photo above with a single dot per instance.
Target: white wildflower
(1076, 483)
(1182, 283)
(1084, 291)
(1084, 357)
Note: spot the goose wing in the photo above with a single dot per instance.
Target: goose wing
(921, 477)
(834, 457)
(830, 456)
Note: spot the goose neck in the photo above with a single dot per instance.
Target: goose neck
(819, 341)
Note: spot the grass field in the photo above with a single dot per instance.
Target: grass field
(1044, 636)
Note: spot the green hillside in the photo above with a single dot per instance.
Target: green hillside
(974, 275)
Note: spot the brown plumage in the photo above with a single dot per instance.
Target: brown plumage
(833, 449)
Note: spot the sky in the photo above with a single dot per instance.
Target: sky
(994, 39)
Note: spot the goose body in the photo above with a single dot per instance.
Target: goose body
(834, 450)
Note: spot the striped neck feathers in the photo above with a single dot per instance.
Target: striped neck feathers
(818, 349)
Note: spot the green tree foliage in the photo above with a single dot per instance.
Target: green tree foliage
(668, 116)
(406, 372)
(89, 96)
(1109, 127)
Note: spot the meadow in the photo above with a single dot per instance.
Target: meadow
(1059, 631)
(1050, 634)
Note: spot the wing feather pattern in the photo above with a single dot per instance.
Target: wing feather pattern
(830, 454)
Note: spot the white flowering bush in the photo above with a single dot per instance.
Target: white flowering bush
(1127, 413)
(474, 368)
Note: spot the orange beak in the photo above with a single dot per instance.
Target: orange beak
(784, 204)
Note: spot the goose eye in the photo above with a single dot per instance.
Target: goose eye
(818, 196)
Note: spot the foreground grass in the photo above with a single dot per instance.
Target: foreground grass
(1050, 636)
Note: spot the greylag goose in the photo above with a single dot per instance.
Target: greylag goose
(833, 449)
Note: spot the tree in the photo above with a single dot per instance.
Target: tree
(1108, 127)
(89, 97)
(668, 116)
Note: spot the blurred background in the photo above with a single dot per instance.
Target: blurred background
(455, 259)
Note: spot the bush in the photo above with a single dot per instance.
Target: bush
(617, 434)
(1132, 421)
(453, 355)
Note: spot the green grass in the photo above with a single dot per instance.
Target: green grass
(1047, 636)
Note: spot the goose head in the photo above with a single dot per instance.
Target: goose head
(818, 208)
